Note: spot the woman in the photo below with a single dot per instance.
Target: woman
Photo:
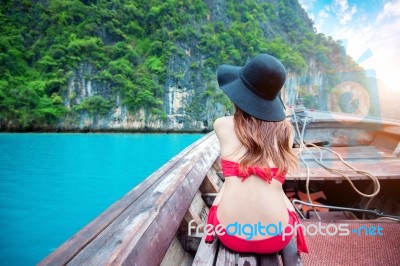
(255, 156)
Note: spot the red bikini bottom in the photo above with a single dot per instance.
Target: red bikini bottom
(262, 246)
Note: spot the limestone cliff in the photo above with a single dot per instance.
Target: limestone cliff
(150, 65)
(186, 103)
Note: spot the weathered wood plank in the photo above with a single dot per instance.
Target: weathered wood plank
(337, 135)
(385, 142)
(290, 255)
(270, 260)
(225, 257)
(344, 129)
(190, 242)
(176, 255)
(115, 242)
(76, 243)
(393, 130)
(349, 119)
(247, 259)
(197, 213)
(221, 175)
(206, 254)
(347, 130)
(217, 164)
(149, 248)
(209, 198)
(212, 173)
(197, 217)
(381, 168)
(156, 214)
(211, 183)
(358, 152)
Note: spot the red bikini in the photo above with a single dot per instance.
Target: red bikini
(270, 245)
(230, 168)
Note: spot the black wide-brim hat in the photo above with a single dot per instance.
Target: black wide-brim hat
(255, 87)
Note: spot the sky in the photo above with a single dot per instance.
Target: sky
(370, 31)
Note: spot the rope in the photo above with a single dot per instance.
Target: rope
(388, 218)
(302, 146)
(341, 172)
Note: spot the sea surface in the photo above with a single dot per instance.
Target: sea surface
(52, 185)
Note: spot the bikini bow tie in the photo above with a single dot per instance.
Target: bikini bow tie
(255, 170)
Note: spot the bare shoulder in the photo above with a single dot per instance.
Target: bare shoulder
(222, 123)
(223, 128)
(228, 141)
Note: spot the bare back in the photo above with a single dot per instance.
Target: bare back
(253, 200)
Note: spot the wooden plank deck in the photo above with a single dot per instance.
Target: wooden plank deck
(357, 152)
(382, 169)
(327, 116)
(382, 164)
(216, 254)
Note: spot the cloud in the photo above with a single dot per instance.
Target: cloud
(321, 19)
(390, 9)
(308, 5)
(343, 10)
(384, 42)
(370, 26)
(380, 34)
(337, 12)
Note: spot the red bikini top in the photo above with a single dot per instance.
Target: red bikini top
(230, 168)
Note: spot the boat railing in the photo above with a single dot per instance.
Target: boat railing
(138, 229)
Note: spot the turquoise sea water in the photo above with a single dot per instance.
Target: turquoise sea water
(51, 185)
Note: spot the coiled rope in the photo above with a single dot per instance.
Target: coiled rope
(341, 172)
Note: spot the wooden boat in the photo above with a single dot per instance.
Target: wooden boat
(149, 225)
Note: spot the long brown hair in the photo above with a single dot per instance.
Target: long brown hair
(265, 141)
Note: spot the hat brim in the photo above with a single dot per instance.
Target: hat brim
(229, 81)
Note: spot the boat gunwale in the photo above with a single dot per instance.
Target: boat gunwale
(75, 244)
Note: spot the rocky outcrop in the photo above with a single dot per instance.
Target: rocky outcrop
(180, 96)
(191, 99)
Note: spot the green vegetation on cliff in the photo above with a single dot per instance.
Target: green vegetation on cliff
(129, 44)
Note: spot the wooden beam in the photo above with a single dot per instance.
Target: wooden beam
(290, 255)
(209, 198)
(211, 183)
(191, 242)
(393, 130)
(221, 175)
(226, 257)
(197, 213)
(158, 233)
(207, 253)
(217, 164)
(176, 255)
(386, 142)
(381, 168)
(124, 230)
(247, 259)
(270, 260)
(347, 153)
